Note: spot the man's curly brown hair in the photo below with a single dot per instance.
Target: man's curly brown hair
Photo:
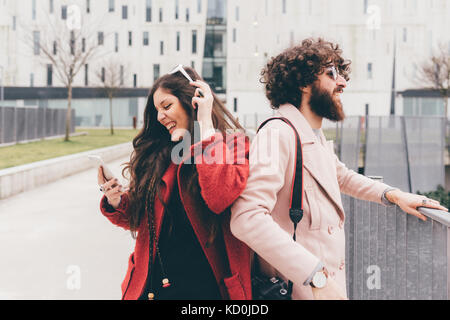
(298, 67)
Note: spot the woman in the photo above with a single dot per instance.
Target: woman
(178, 211)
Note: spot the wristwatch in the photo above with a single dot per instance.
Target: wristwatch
(319, 280)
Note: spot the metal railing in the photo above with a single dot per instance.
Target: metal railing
(394, 255)
(25, 124)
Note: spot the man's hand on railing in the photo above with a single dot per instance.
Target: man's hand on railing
(409, 202)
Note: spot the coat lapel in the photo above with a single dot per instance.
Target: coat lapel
(318, 159)
(168, 182)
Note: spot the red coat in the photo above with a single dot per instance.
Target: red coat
(220, 185)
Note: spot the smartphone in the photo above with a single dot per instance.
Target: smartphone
(107, 173)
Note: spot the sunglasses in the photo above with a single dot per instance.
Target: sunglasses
(179, 68)
(332, 72)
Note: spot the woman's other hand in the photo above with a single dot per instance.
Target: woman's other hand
(112, 189)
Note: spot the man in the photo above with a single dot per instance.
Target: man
(304, 85)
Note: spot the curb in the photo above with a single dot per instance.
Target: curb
(29, 176)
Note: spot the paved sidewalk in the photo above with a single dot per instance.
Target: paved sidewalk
(55, 243)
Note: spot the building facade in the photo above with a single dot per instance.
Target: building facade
(227, 41)
(370, 32)
(144, 38)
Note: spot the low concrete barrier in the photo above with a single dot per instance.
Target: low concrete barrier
(26, 177)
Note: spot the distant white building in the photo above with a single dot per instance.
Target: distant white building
(147, 37)
(366, 30)
(228, 42)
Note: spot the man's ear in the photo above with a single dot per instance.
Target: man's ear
(305, 90)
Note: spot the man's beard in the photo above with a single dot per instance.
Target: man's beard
(325, 105)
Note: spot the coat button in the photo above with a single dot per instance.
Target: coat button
(330, 229)
(341, 267)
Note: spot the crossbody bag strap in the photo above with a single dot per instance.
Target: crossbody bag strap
(296, 202)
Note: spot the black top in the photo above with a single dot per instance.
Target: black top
(184, 261)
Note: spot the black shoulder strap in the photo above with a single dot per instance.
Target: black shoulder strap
(296, 204)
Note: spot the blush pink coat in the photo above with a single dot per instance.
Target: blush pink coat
(260, 216)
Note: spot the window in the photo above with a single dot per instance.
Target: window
(88, 6)
(284, 6)
(14, 24)
(121, 75)
(160, 14)
(31, 79)
(135, 80)
(103, 72)
(148, 11)
(36, 42)
(111, 6)
(130, 38)
(132, 107)
(116, 42)
(194, 41)
(72, 43)
(177, 9)
(405, 35)
(156, 72)
(234, 35)
(51, 6)
(64, 12)
(187, 14)
(146, 38)
(33, 10)
(100, 38)
(237, 13)
(369, 70)
(178, 40)
(83, 45)
(235, 104)
(124, 12)
(199, 6)
(193, 64)
(49, 74)
(161, 47)
(86, 73)
(55, 48)
(366, 5)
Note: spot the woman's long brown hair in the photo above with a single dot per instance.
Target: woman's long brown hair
(153, 146)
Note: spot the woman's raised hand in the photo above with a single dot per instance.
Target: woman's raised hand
(203, 100)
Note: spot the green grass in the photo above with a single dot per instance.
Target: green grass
(19, 154)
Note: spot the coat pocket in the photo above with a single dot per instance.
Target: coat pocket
(126, 281)
(314, 212)
(234, 287)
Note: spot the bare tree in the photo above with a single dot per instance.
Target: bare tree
(111, 77)
(68, 45)
(435, 72)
